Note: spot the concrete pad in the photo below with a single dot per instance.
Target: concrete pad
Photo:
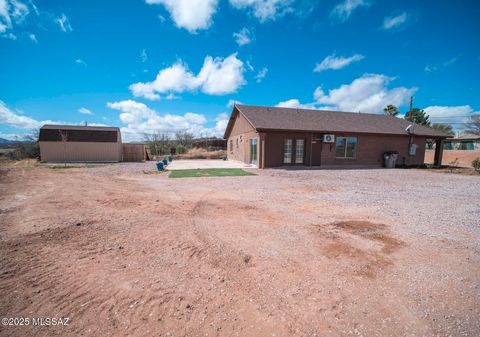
(184, 164)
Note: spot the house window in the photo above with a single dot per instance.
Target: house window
(299, 148)
(231, 145)
(287, 151)
(346, 147)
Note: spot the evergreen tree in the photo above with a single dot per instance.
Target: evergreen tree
(391, 110)
(418, 116)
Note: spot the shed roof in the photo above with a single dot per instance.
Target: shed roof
(291, 119)
(467, 136)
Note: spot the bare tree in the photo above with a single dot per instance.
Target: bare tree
(184, 138)
(158, 142)
(473, 124)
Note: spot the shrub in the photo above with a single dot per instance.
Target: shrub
(476, 164)
(181, 149)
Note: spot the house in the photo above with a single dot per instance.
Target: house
(467, 142)
(274, 136)
(73, 143)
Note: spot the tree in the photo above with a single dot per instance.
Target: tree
(391, 110)
(473, 124)
(447, 128)
(418, 116)
(158, 143)
(184, 138)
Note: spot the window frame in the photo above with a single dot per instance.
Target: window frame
(291, 151)
(346, 147)
(303, 151)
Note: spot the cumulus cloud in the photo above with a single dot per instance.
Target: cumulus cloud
(295, 103)
(12, 12)
(368, 93)
(261, 75)
(217, 77)
(264, 10)
(344, 10)
(455, 115)
(192, 15)
(85, 111)
(64, 23)
(140, 119)
(394, 21)
(20, 121)
(243, 37)
(335, 63)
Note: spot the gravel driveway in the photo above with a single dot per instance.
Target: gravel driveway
(326, 252)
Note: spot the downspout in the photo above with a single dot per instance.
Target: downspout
(311, 148)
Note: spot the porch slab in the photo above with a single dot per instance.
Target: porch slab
(184, 164)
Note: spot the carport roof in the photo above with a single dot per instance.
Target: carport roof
(291, 119)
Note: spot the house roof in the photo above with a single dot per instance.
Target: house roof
(78, 127)
(467, 136)
(291, 119)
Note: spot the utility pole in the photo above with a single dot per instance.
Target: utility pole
(411, 107)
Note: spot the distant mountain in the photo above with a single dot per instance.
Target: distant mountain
(6, 141)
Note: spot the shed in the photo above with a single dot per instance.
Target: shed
(73, 143)
(134, 152)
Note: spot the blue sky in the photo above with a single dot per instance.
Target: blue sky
(166, 65)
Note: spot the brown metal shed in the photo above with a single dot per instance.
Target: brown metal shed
(134, 152)
(73, 143)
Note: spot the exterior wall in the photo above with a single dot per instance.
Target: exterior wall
(240, 136)
(80, 152)
(370, 149)
(133, 152)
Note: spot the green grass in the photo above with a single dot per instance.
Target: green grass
(214, 172)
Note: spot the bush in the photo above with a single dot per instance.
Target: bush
(476, 164)
(181, 149)
(25, 151)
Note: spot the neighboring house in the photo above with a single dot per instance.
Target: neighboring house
(72, 143)
(273, 136)
(463, 142)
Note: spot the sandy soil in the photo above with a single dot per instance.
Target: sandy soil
(303, 253)
(464, 158)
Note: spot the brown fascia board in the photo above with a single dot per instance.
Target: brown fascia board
(265, 130)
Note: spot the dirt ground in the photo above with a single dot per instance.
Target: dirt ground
(464, 158)
(284, 253)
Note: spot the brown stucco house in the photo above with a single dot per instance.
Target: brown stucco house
(273, 136)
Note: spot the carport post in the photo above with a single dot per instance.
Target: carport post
(437, 162)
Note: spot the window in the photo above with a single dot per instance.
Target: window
(346, 147)
(299, 146)
(287, 151)
(237, 143)
(231, 145)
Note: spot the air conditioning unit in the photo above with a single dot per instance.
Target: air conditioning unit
(328, 138)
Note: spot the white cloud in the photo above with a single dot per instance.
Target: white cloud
(140, 119)
(295, 103)
(264, 10)
(368, 93)
(232, 102)
(85, 111)
(261, 75)
(33, 38)
(143, 56)
(344, 9)
(64, 23)
(81, 62)
(395, 20)
(16, 120)
(20, 121)
(450, 114)
(335, 63)
(243, 37)
(189, 14)
(12, 12)
(448, 63)
(217, 77)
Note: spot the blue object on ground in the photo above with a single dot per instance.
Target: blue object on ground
(170, 158)
(160, 166)
(165, 162)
